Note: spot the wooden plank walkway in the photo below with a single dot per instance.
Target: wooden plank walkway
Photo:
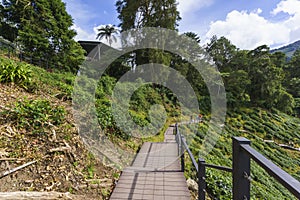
(155, 173)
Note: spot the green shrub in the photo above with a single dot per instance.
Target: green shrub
(60, 84)
(35, 115)
(15, 72)
(139, 118)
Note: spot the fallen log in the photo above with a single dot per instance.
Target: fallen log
(36, 196)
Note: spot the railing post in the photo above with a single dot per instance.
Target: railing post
(182, 152)
(241, 170)
(178, 138)
(180, 147)
(201, 179)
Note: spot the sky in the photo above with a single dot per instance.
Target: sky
(246, 23)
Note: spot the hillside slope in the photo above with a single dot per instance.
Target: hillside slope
(288, 50)
(268, 132)
(37, 125)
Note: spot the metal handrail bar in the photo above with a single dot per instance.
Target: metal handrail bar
(242, 153)
(182, 141)
(200, 165)
(280, 175)
(190, 153)
(223, 168)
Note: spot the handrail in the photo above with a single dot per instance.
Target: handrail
(200, 166)
(281, 176)
(227, 169)
(183, 141)
(242, 152)
(190, 153)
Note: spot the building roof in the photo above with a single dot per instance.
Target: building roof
(92, 48)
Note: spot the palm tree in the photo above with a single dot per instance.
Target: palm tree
(108, 32)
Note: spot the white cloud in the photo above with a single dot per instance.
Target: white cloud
(81, 18)
(247, 30)
(288, 6)
(292, 7)
(82, 34)
(186, 7)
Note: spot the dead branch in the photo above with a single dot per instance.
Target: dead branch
(289, 147)
(66, 148)
(60, 149)
(16, 169)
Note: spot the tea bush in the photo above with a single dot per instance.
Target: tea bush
(256, 125)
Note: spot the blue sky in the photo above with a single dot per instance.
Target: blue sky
(246, 23)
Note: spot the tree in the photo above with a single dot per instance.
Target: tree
(292, 81)
(222, 52)
(232, 64)
(107, 32)
(7, 30)
(266, 88)
(251, 77)
(44, 32)
(293, 74)
(151, 13)
(193, 36)
(13, 11)
(186, 68)
(279, 59)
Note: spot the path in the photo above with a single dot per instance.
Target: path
(155, 173)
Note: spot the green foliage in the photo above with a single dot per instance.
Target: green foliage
(297, 106)
(193, 36)
(255, 77)
(293, 74)
(43, 30)
(6, 46)
(256, 125)
(105, 117)
(105, 87)
(237, 82)
(222, 51)
(57, 83)
(153, 13)
(15, 72)
(140, 103)
(36, 115)
(91, 166)
(107, 32)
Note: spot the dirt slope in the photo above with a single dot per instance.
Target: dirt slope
(62, 162)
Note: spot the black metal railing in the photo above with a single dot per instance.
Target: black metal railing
(242, 153)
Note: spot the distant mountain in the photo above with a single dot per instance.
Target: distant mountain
(289, 49)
